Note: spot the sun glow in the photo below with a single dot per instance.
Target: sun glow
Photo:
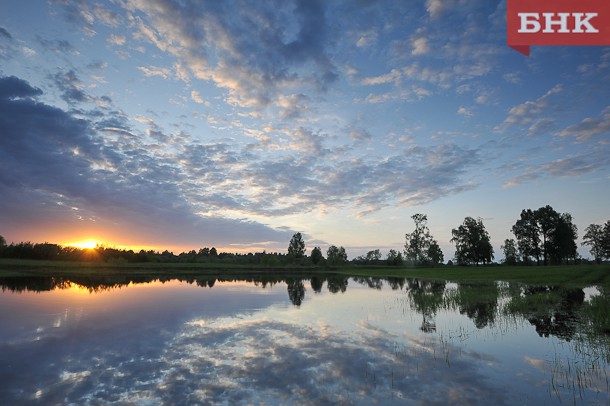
(85, 244)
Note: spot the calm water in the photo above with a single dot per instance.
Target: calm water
(301, 341)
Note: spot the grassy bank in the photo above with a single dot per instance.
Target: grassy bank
(567, 275)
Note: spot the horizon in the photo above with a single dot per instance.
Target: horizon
(168, 125)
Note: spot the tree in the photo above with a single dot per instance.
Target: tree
(510, 251)
(472, 243)
(316, 255)
(394, 258)
(435, 254)
(213, 252)
(336, 255)
(526, 231)
(606, 239)
(296, 248)
(595, 238)
(373, 256)
(548, 233)
(563, 239)
(546, 218)
(418, 244)
(2, 244)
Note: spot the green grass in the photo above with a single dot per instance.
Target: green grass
(567, 275)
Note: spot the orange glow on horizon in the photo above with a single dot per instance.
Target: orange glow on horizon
(84, 244)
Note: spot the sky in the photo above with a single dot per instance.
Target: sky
(186, 124)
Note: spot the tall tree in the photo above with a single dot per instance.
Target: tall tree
(296, 247)
(420, 247)
(316, 255)
(336, 255)
(606, 239)
(472, 243)
(563, 239)
(394, 258)
(546, 232)
(510, 251)
(527, 232)
(435, 254)
(547, 219)
(595, 238)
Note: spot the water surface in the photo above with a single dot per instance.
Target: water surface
(316, 341)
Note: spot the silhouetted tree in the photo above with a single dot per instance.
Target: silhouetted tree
(435, 254)
(510, 251)
(418, 243)
(336, 255)
(213, 252)
(547, 220)
(548, 233)
(606, 239)
(594, 237)
(526, 230)
(563, 239)
(472, 244)
(316, 255)
(394, 258)
(296, 247)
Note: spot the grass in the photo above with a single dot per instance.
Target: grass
(566, 275)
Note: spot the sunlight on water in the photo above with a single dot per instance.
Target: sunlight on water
(295, 341)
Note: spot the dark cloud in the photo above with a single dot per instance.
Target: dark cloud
(252, 52)
(12, 87)
(5, 34)
(61, 46)
(71, 87)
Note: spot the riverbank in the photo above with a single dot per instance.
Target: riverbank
(566, 275)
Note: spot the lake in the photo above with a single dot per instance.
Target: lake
(321, 340)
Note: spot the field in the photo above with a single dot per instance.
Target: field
(566, 275)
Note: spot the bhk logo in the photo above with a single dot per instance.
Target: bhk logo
(557, 22)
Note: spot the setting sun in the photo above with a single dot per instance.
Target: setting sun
(85, 244)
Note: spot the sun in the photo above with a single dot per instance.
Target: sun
(85, 244)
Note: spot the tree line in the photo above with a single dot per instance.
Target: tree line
(542, 237)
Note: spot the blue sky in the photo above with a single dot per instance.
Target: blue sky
(234, 124)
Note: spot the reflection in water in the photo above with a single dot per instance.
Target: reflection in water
(382, 340)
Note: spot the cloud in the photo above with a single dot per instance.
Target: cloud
(7, 44)
(118, 40)
(5, 34)
(71, 87)
(257, 52)
(52, 162)
(530, 112)
(12, 87)
(463, 111)
(155, 71)
(573, 166)
(196, 97)
(419, 43)
(59, 46)
(589, 128)
(393, 76)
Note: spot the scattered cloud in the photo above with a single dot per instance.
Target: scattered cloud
(196, 97)
(531, 112)
(589, 128)
(118, 40)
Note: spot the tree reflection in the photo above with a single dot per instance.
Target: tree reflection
(479, 302)
(553, 311)
(296, 291)
(426, 297)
